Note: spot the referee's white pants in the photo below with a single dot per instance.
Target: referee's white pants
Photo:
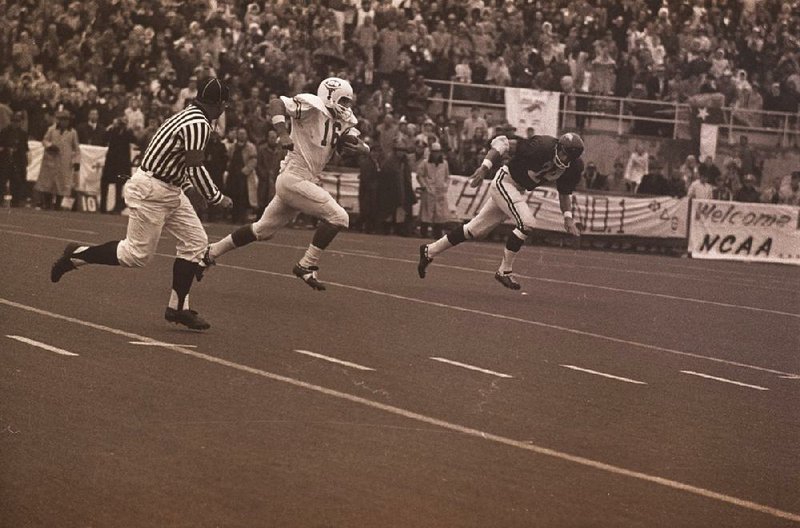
(506, 200)
(295, 194)
(155, 205)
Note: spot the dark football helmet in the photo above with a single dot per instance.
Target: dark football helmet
(568, 149)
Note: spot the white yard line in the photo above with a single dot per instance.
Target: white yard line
(43, 346)
(411, 415)
(81, 231)
(724, 380)
(159, 344)
(611, 376)
(471, 367)
(333, 360)
(574, 331)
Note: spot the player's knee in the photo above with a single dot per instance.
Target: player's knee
(262, 231)
(138, 259)
(339, 219)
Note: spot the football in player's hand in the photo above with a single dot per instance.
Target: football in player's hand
(347, 144)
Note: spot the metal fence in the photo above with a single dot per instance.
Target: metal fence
(625, 115)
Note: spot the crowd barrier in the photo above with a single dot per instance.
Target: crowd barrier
(708, 229)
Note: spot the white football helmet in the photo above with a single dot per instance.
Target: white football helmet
(337, 95)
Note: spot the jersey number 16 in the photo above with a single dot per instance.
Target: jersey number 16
(334, 131)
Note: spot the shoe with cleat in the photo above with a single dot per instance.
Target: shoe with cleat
(64, 263)
(424, 261)
(188, 318)
(507, 280)
(309, 276)
(205, 263)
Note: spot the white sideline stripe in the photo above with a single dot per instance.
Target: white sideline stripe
(471, 367)
(334, 360)
(620, 378)
(41, 345)
(724, 380)
(526, 446)
(474, 311)
(81, 231)
(570, 283)
(159, 343)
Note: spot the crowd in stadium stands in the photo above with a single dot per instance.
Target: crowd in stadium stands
(120, 66)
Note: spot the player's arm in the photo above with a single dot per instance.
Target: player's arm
(278, 111)
(566, 185)
(499, 148)
(195, 139)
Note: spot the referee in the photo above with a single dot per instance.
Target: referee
(172, 163)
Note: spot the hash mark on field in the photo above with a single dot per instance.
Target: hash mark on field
(707, 376)
(159, 343)
(471, 367)
(610, 376)
(81, 231)
(334, 360)
(43, 346)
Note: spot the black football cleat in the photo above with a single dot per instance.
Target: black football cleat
(205, 263)
(188, 318)
(507, 280)
(64, 263)
(309, 276)
(424, 260)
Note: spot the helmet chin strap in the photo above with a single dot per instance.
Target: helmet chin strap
(560, 164)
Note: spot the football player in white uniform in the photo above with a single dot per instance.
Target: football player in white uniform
(320, 124)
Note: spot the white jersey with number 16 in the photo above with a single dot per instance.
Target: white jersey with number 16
(315, 133)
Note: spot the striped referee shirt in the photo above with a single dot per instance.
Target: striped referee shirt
(165, 156)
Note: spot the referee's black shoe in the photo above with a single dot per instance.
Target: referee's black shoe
(188, 318)
(424, 260)
(64, 263)
(507, 280)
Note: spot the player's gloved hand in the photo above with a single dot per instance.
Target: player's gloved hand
(477, 176)
(570, 227)
(286, 142)
(225, 203)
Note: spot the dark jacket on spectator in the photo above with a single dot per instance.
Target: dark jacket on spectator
(653, 183)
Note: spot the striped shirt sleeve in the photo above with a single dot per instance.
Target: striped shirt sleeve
(195, 137)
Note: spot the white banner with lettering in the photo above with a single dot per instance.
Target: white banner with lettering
(745, 231)
(598, 214)
(532, 108)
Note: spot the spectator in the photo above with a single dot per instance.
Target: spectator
(471, 123)
(395, 190)
(618, 184)
(60, 164)
(690, 170)
(593, 179)
(241, 166)
(433, 175)
(700, 188)
(676, 186)
(369, 190)
(270, 154)
(748, 191)
(117, 168)
(710, 170)
(134, 115)
(90, 132)
(637, 166)
(216, 161)
(14, 159)
(793, 196)
(748, 157)
(654, 181)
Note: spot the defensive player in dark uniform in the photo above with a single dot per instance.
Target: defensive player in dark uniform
(533, 162)
(172, 163)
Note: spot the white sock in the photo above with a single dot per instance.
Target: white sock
(311, 257)
(76, 259)
(173, 301)
(223, 246)
(441, 245)
(508, 260)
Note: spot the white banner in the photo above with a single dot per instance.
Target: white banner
(745, 231)
(93, 159)
(532, 108)
(37, 153)
(599, 214)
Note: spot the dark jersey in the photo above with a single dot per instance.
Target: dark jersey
(532, 165)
